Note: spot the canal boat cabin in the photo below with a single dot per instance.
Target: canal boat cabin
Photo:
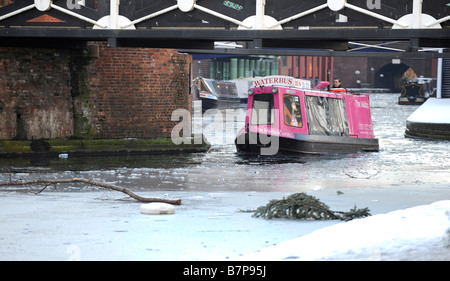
(285, 114)
(215, 93)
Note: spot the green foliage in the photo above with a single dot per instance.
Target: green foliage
(305, 207)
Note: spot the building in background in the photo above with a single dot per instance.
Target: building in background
(355, 72)
(234, 67)
(315, 69)
(358, 72)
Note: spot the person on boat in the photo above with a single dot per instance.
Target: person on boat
(337, 86)
(337, 83)
(292, 115)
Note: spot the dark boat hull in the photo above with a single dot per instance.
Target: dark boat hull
(311, 144)
(412, 94)
(411, 101)
(220, 103)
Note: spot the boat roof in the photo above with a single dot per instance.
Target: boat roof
(218, 87)
(301, 84)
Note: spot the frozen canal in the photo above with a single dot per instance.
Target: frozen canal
(80, 222)
(400, 161)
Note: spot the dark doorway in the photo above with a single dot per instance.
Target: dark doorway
(21, 133)
(390, 76)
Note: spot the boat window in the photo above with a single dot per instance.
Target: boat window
(203, 87)
(263, 112)
(326, 116)
(292, 113)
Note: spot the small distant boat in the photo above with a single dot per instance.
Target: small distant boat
(305, 120)
(416, 92)
(215, 93)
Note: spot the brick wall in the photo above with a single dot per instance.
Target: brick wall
(134, 91)
(119, 93)
(35, 98)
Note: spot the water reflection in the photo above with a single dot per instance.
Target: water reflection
(400, 161)
(86, 163)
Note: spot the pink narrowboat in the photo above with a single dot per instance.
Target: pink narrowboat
(285, 114)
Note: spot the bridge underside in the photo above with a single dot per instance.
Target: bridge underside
(404, 28)
(258, 42)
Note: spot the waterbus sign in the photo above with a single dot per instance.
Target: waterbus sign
(283, 81)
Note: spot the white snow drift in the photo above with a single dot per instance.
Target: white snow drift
(418, 233)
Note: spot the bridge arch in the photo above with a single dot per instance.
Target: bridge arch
(390, 76)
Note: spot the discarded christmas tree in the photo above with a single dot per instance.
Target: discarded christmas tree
(306, 207)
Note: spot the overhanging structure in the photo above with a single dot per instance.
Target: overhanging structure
(400, 29)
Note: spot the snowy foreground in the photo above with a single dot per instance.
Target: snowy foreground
(419, 233)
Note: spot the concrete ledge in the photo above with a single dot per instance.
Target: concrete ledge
(430, 120)
(100, 147)
(427, 130)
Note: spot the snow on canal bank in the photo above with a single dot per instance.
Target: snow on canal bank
(432, 111)
(418, 233)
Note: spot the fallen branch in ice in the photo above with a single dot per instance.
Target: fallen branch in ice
(101, 184)
(306, 207)
(358, 177)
